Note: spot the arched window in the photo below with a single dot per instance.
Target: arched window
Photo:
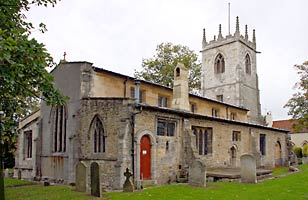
(99, 138)
(59, 128)
(200, 142)
(219, 64)
(247, 64)
(178, 72)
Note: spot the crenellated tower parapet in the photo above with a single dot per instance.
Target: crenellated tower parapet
(221, 40)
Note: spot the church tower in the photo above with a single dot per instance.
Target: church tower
(229, 71)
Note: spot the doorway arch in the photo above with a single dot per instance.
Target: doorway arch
(233, 153)
(145, 158)
(278, 158)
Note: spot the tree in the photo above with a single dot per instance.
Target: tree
(298, 104)
(305, 150)
(23, 62)
(159, 69)
(298, 151)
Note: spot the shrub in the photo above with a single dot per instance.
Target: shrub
(305, 150)
(298, 151)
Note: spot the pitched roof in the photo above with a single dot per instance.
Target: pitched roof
(287, 124)
(97, 69)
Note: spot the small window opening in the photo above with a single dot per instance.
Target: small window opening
(177, 72)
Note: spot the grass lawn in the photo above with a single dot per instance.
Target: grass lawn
(292, 187)
(280, 171)
(15, 182)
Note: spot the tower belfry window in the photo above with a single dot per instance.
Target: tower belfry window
(247, 64)
(219, 66)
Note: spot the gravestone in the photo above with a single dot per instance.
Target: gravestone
(6, 173)
(81, 177)
(128, 186)
(304, 160)
(197, 174)
(95, 180)
(248, 169)
(19, 174)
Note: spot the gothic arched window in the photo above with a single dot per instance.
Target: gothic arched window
(247, 64)
(219, 64)
(59, 128)
(99, 138)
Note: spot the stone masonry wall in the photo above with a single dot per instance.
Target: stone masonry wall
(22, 163)
(168, 148)
(222, 143)
(168, 162)
(115, 115)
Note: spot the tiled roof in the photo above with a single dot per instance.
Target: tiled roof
(286, 124)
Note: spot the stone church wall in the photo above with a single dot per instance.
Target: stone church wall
(115, 114)
(168, 162)
(24, 166)
(249, 143)
(71, 81)
(168, 148)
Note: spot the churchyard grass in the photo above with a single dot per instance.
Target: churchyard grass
(38, 192)
(15, 182)
(293, 186)
(280, 171)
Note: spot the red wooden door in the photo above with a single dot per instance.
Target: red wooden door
(145, 157)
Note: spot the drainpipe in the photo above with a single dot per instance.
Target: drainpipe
(124, 84)
(133, 148)
(227, 112)
(137, 91)
(133, 119)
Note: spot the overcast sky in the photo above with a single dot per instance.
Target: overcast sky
(117, 34)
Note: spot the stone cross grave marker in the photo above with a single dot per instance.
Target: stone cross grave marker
(248, 169)
(128, 186)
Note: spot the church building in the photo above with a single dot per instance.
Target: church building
(113, 122)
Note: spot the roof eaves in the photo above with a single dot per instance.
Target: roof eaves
(190, 114)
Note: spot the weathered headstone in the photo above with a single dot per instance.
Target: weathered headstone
(128, 186)
(304, 160)
(6, 173)
(81, 177)
(197, 174)
(19, 174)
(95, 180)
(248, 169)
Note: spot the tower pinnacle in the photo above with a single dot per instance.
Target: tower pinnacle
(246, 32)
(254, 36)
(237, 27)
(219, 33)
(204, 39)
